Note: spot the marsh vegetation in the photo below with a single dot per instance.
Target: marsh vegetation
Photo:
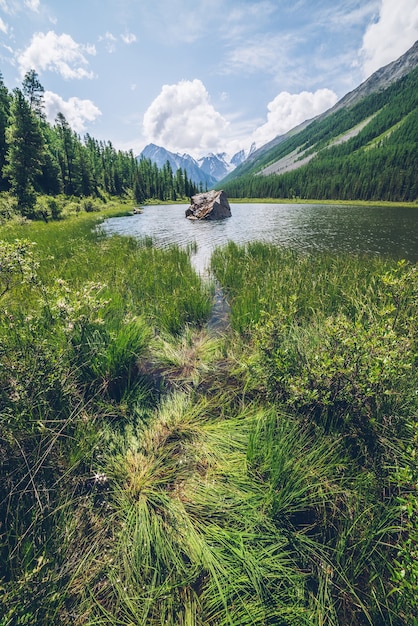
(156, 473)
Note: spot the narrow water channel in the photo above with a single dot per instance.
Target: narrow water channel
(219, 320)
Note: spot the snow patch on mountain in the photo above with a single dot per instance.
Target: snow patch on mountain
(206, 171)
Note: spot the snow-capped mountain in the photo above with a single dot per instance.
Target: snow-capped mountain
(240, 156)
(206, 171)
(215, 165)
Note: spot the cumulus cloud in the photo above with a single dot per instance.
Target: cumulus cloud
(182, 118)
(288, 110)
(3, 27)
(57, 53)
(395, 30)
(76, 111)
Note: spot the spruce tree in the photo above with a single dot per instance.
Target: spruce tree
(68, 156)
(25, 153)
(34, 93)
(4, 121)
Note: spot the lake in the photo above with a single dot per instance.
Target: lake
(387, 231)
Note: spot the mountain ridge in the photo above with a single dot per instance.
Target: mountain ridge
(377, 82)
(300, 148)
(205, 171)
(362, 148)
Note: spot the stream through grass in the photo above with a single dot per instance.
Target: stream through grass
(183, 451)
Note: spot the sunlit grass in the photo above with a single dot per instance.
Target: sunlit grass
(260, 277)
(193, 537)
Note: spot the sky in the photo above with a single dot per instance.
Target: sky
(198, 76)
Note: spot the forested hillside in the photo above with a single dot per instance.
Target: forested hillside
(367, 151)
(37, 158)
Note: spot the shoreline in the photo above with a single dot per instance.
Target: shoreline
(368, 203)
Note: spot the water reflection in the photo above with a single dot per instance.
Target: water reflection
(362, 230)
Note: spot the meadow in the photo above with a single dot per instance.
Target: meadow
(155, 472)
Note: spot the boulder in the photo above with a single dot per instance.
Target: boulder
(211, 205)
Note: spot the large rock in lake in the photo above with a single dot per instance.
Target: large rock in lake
(212, 205)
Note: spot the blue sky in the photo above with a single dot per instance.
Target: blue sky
(198, 76)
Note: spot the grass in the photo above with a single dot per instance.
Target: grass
(156, 473)
(195, 543)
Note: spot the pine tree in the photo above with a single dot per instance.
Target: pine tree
(139, 192)
(50, 181)
(87, 184)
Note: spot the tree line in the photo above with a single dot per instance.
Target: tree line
(37, 157)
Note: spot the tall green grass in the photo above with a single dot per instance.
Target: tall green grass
(333, 340)
(78, 313)
(332, 337)
(261, 277)
(154, 473)
(194, 541)
(220, 514)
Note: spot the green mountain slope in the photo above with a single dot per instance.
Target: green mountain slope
(364, 148)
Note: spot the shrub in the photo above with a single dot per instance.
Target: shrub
(8, 207)
(89, 206)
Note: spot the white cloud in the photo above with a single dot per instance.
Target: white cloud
(182, 118)
(110, 40)
(128, 38)
(76, 111)
(33, 5)
(7, 6)
(340, 16)
(244, 18)
(3, 26)
(253, 57)
(288, 110)
(260, 54)
(57, 53)
(395, 31)
(13, 7)
(213, 18)
(253, 11)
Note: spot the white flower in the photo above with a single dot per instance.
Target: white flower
(100, 478)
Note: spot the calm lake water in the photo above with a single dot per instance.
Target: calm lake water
(307, 227)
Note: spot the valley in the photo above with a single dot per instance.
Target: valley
(211, 423)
